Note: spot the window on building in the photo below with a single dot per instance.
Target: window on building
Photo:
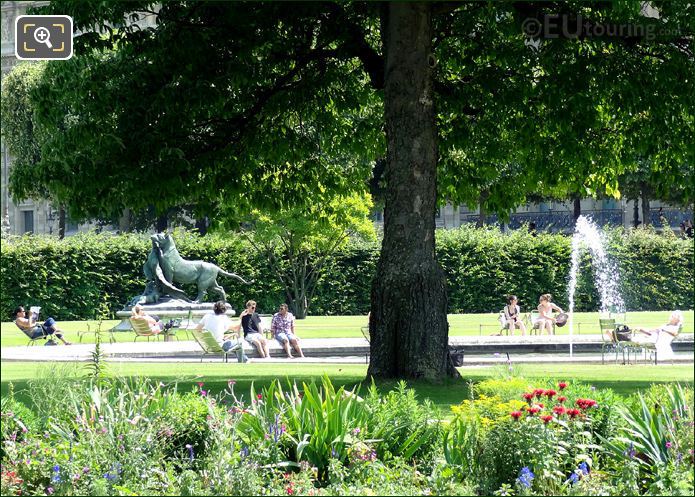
(28, 220)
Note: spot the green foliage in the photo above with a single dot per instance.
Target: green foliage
(139, 437)
(299, 241)
(20, 130)
(483, 265)
(318, 424)
(404, 427)
(651, 429)
(68, 277)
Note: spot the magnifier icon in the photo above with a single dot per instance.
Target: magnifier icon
(43, 35)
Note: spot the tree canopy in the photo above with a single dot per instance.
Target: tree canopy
(264, 105)
(228, 101)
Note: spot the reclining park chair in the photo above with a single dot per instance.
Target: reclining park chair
(142, 329)
(660, 349)
(209, 345)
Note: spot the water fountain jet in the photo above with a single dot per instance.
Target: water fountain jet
(587, 234)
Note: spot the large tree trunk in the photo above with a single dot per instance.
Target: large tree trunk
(408, 325)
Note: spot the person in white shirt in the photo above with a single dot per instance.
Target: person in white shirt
(218, 324)
(662, 336)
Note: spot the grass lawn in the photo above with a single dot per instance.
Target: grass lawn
(349, 326)
(624, 380)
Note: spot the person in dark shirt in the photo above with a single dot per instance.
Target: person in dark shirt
(253, 329)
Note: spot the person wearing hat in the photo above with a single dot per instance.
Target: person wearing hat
(512, 315)
(545, 319)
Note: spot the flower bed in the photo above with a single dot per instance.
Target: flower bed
(135, 437)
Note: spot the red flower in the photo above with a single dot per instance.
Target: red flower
(561, 399)
(573, 413)
(547, 418)
(550, 393)
(259, 396)
(585, 403)
(515, 414)
(200, 384)
(533, 410)
(538, 392)
(528, 397)
(562, 385)
(559, 410)
(540, 405)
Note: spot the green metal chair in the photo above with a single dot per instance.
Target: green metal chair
(610, 342)
(142, 329)
(209, 345)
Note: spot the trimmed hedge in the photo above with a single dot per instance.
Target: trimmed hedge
(69, 279)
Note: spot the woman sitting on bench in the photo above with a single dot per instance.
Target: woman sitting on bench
(545, 319)
(512, 315)
(26, 321)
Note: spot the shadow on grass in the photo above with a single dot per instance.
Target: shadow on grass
(443, 395)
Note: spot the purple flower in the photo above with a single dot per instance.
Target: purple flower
(584, 468)
(526, 477)
(49, 490)
(56, 468)
(630, 453)
(244, 452)
(574, 478)
(669, 445)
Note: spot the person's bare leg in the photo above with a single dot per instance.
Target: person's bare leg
(264, 343)
(295, 344)
(259, 347)
(522, 327)
(59, 333)
(286, 346)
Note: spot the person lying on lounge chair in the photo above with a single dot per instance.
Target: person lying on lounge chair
(662, 336)
(26, 322)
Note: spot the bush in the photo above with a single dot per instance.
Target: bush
(69, 278)
(406, 428)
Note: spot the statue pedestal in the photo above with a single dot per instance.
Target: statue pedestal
(189, 314)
